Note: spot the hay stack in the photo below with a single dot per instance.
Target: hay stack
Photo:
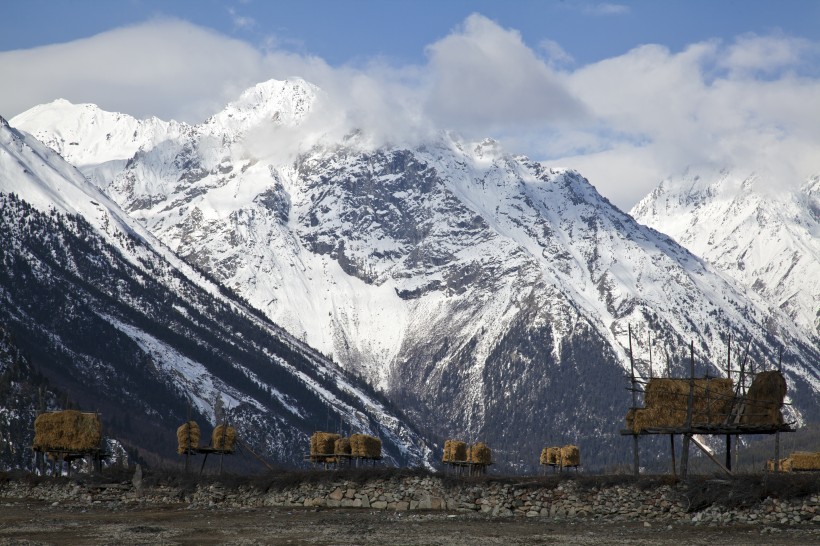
(454, 451)
(362, 445)
(630, 419)
(480, 454)
(187, 437)
(764, 400)
(544, 459)
(666, 403)
(323, 443)
(644, 418)
(342, 447)
(554, 455)
(570, 456)
(805, 460)
(223, 437)
(68, 430)
(786, 465)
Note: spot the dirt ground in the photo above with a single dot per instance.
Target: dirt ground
(27, 522)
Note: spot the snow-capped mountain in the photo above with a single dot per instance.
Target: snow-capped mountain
(764, 234)
(487, 294)
(118, 322)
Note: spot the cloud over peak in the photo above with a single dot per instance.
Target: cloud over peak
(484, 76)
(626, 122)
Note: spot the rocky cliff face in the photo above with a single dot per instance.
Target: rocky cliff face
(488, 294)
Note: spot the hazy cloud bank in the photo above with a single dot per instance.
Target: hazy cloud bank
(624, 122)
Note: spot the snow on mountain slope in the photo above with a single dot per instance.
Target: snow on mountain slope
(105, 136)
(487, 294)
(107, 315)
(762, 234)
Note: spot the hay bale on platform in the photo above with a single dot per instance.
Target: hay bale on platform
(480, 454)
(323, 443)
(544, 458)
(630, 419)
(223, 437)
(188, 435)
(454, 451)
(805, 460)
(342, 447)
(570, 456)
(373, 447)
(786, 465)
(764, 400)
(644, 418)
(68, 430)
(362, 445)
(666, 402)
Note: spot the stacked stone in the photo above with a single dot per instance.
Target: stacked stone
(661, 505)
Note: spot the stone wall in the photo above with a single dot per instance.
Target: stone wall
(561, 500)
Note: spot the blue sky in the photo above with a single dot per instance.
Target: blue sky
(348, 31)
(626, 92)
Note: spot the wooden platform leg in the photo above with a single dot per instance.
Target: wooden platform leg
(203, 463)
(674, 467)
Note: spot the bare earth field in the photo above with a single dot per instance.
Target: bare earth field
(29, 522)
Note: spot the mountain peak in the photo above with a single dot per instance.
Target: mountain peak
(270, 89)
(281, 102)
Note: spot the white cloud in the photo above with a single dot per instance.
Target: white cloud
(240, 21)
(556, 54)
(606, 9)
(671, 111)
(485, 77)
(765, 53)
(624, 122)
(167, 68)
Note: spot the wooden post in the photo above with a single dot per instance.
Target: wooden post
(187, 432)
(729, 375)
(687, 436)
(743, 366)
(636, 468)
(201, 468)
(777, 434)
(674, 468)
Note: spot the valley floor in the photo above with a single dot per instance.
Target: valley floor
(36, 522)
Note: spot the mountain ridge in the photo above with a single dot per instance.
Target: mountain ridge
(766, 238)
